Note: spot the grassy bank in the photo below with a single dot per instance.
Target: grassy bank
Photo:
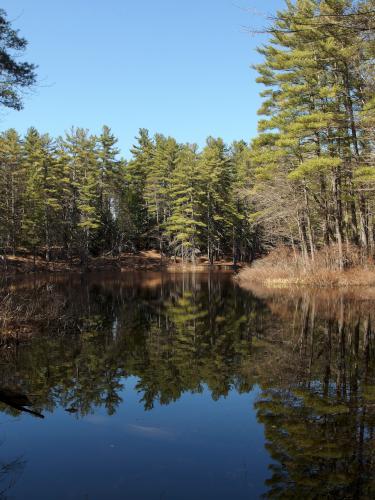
(284, 267)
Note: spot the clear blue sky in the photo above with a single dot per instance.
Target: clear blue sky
(179, 67)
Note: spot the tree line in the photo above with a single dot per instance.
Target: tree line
(74, 196)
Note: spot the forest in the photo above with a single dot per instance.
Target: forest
(74, 196)
(306, 181)
(312, 164)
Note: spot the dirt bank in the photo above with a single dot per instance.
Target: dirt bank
(142, 261)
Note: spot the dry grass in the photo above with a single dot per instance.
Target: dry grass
(284, 268)
(25, 312)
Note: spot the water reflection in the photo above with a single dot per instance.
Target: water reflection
(173, 334)
(307, 356)
(318, 408)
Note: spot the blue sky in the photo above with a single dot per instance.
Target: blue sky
(178, 67)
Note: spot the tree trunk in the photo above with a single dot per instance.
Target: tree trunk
(303, 239)
(47, 236)
(338, 217)
(363, 218)
(309, 227)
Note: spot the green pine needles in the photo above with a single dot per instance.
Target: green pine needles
(75, 197)
(314, 157)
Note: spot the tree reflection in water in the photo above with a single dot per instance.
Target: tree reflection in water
(318, 405)
(310, 354)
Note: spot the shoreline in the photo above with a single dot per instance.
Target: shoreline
(357, 277)
(127, 262)
(343, 281)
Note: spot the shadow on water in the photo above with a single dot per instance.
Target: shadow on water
(310, 355)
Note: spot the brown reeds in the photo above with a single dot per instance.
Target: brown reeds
(283, 267)
(25, 312)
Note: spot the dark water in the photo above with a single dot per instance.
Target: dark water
(187, 387)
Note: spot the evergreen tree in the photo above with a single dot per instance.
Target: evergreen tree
(15, 76)
(157, 185)
(311, 142)
(245, 235)
(109, 192)
(135, 178)
(84, 183)
(12, 188)
(217, 172)
(42, 204)
(185, 225)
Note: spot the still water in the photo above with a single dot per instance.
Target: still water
(183, 387)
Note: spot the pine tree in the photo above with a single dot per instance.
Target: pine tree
(84, 186)
(42, 204)
(111, 182)
(185, 224)
(135, 178)
(217, 171)
(157, 185)
(311, 142)
(12, 188)
(244, 233)
(15, 76)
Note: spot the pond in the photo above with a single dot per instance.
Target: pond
(151, 386)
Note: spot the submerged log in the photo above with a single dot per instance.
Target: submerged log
(18, 401)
